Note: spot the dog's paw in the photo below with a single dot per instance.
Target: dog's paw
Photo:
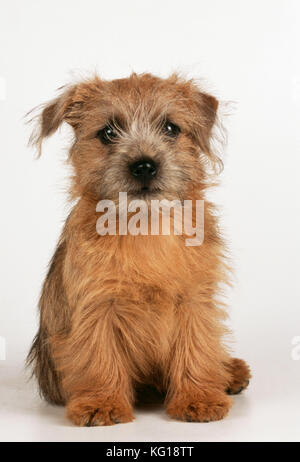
(202, 408)
(86, 412)
(241, 375)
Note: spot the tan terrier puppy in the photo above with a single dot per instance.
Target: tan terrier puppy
(121, 311)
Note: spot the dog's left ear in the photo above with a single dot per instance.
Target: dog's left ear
(207, 107)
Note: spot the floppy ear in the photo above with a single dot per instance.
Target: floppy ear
(207, 107)
(210, 107)
(65, 108)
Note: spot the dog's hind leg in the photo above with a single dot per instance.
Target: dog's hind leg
(240, 373)
(53, 319)
(44, 369)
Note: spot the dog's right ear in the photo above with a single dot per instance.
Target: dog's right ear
(67, 107)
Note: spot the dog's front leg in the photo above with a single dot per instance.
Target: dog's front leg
(197, 378)
(96, 376)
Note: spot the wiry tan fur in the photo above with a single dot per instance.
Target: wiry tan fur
(118, 312)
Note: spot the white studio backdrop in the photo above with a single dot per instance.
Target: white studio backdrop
(246, 52)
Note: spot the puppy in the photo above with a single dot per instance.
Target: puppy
(120, 311)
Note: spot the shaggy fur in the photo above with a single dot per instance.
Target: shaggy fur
(121, 312)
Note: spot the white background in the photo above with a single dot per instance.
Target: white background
(247, 52)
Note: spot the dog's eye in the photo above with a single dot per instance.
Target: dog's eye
(106, 134)
(171, 129)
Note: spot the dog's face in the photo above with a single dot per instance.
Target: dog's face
(143, 135)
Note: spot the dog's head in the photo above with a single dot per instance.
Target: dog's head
(147, 136)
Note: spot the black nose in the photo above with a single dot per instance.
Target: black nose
(143, 169)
